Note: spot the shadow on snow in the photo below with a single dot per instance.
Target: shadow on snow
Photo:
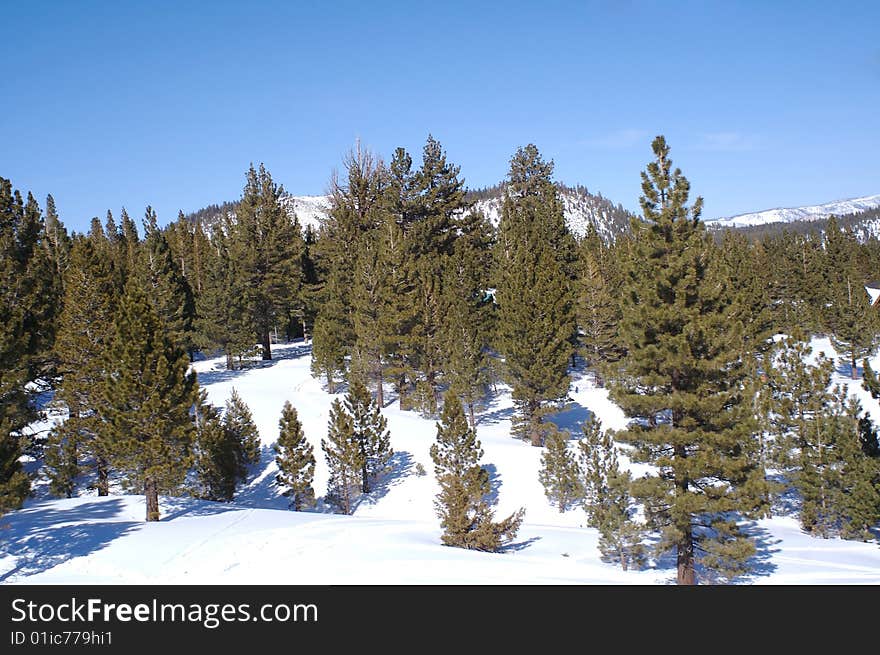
(42, 538)
(220, 374)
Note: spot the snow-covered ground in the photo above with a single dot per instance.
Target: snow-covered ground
(393, 536)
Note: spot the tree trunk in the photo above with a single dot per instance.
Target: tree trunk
(151, 491)
(622, 559)
(534, 425)
(331, 385)
(103, 478)
(380, 392)
(854, 372)
(267, 344)
(686, 573)
(471, 415)
(230, 361)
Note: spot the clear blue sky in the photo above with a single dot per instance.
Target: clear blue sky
(764, 103)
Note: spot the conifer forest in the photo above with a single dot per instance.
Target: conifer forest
(671, 390)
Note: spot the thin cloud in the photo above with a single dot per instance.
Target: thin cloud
(726, 142)
(618, 139)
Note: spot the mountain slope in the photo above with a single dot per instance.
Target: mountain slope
(581, 207)
(793, 214)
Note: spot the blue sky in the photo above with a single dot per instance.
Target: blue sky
(764, 104)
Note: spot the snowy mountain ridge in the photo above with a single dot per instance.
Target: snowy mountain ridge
(791, 214)
(581, 209)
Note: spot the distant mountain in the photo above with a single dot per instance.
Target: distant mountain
(794, 214)
(581, 208)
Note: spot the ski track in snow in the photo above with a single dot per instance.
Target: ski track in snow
(393, 536)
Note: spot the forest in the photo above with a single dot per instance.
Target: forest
(408, 295)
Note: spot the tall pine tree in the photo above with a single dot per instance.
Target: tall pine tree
(536, 320)
(682, 379)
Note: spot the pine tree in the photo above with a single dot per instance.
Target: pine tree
(168, 288)
(25, 333)
(269, 246)
(598, 309)
(222, 310)
(431, 232)
(469, 313)
(218, 461)
(536, 321)
(607, 499)
(85, 334)
(560, 474)
(147, 398)
(295, 459)
(225, 447)
(682, 377)
(353, 214)
(465, 513)
(239, 422)
(848, 314)
(345, 459)
(370, 433)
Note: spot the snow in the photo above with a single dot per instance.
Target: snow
(393, 537)
(787, 215)
(580, 211)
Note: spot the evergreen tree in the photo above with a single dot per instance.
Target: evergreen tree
(683, 378)
(269, 246)
(352, 215)
(469, 312)
(465, 513)
(295, 459)
(218, 461)
(168, 288)
(85, 334)
(225, 447)
(345, 459)
(26, 332)
(239, 422)
(438, 197)
(57, 240)
(536, 321)
(598, 309)
(607, 499)
(147, 398)
(221, 310)
(560, 474)
(849, 315)
(370, 433)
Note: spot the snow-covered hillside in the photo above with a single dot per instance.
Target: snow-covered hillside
(791, 214)
(581, 209)
(393, 536)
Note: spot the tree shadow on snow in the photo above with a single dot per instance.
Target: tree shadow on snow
(220, 374)
(261, 492)
(497, 416)
(571, 418)
(494, 483)
(42, 538)
(519, 545)
(400, 466)
(175, 508)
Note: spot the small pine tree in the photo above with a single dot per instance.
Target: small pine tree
(465, 513)
(295, 459)
(560, 474)
(239, 422)
(370, 431)
(607, 499)
(217, 456)
(344, 457)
